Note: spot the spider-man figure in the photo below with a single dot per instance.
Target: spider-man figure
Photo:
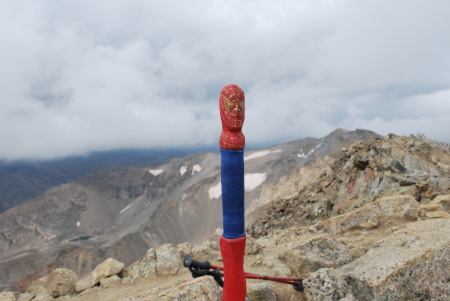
(232, 114)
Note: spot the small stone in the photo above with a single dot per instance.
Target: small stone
(185, 248)
(60, 282)
(105, 269)
(25, 297)
(169, 260)
(110, 281)
(145, 267)
(85, 282)
(43, 298)
(7, 296)
(438, 214)
(260, 292)
(108, 268)
(251, 246)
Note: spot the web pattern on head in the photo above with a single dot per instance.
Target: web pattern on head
(232, 114)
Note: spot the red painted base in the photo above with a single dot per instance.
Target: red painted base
(235, 286)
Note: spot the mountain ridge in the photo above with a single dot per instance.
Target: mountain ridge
(123, 212)
(368, 221)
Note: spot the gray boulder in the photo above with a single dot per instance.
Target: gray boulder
(169, 260)
(314, 253)
(7, 296)
(58, 283)
(260, 292)
(439, 207)
(372, 214)
(145, 267)
(43, 298)
(112, 281)
(105, 269)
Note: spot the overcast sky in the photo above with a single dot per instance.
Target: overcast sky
(89, 75)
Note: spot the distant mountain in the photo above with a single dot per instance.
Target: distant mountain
(122, 212)
(21, 181)
(369, 220)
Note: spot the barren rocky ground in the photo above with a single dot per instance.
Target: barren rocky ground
(373, 225)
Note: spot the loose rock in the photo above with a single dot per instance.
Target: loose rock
(143, 268)
(260, 292)
(168, 259)
(60, 282)
(369, 216)
(105, 269)
(7, 296)
(320, 251)
(110, 281)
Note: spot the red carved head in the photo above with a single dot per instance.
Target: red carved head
(232, 108)
(232, 114)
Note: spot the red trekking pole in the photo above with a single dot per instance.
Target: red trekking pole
(199, 269)
(232, 143)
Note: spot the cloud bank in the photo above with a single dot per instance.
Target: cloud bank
(96, 75)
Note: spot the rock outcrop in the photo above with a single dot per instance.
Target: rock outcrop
(364, 172)
(412, 264)
(58, 283)
(316, 252)
(373, 214)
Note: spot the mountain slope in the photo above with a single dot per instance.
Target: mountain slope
(364, 172)
(21, 181)
(122, 212)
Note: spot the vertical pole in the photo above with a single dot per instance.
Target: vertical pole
(232, 143)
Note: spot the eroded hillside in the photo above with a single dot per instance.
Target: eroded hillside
(364, 172)
(373, 225)
(122, 212)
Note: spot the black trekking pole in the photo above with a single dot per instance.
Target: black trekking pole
(203, 268)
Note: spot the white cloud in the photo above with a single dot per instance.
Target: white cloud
(96, 75)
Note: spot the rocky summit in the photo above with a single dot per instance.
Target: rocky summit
(365, 219)
(121, 213)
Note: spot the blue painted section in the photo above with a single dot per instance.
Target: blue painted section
(232, 173)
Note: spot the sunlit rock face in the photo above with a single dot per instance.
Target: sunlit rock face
(364, 172)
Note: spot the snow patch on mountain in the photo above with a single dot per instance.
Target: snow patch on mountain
(156, 172)
(196, 168)
(126, 208)
(260, 154)
(215, 191)
(253, 180)
(50, 237)
(183, 169)
(302, 154)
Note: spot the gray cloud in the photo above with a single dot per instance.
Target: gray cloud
(97, 75)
